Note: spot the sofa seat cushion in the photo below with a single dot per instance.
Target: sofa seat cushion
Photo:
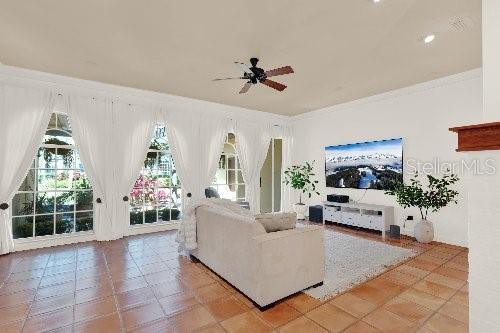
(277, 221)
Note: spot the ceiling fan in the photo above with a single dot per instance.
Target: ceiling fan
(254, 74)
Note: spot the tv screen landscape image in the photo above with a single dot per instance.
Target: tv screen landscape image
(366, 165)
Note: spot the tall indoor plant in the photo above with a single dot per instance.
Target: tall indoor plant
(300, 177)
(437, 195)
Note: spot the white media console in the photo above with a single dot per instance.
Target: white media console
(375, 217)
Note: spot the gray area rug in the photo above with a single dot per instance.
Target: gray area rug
(352, 260)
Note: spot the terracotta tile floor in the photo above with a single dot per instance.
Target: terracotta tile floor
(141, 284)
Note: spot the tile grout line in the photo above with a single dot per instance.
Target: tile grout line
(165, 316)
(34, 296)
(393, 268)
(422, 279)
(203, 305)
(122, 324)
(460, 253)
(74, 291)
(231, 293)
(408, 288)
(447, 300)
(378, 306)
(424, 250)
(149, 286)
(217, 322)
(382, 304)
(368, 280)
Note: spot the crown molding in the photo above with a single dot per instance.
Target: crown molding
(66, 85)
(410, 90)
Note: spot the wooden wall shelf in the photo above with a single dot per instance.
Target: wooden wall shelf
(478, 137)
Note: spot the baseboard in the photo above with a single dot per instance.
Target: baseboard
(57, 240)
(148, 228)
(49, 241)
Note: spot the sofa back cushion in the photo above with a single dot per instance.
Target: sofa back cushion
(277, 221)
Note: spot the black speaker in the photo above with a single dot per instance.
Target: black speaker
(337, 198)
(395, 231)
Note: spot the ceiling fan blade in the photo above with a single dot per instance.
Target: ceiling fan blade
(245, 87)
(229, 78)
(243, 67)
(273, 84)
(279, 71)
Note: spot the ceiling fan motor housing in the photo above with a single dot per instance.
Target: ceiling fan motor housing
(258, 73)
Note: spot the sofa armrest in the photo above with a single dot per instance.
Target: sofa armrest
(289, 260)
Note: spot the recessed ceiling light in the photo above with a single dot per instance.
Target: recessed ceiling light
(376, 1)
(429, 38)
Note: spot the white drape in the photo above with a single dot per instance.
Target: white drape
(112, 139)
(287, 145)
(252, 144)
(24, 116)
(133, 129)
(91, 122)
(196, 141)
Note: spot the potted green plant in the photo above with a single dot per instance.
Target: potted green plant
(300, 177)
(437, 195)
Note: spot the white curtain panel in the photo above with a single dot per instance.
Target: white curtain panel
(112, 138)
(287, 146)
(91, 122)
(24, 116)
(196, 141)
(252, 144)
(133, 128)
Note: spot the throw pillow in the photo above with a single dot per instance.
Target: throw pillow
(277, 221)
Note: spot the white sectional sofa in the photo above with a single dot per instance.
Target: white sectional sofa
(266, 267)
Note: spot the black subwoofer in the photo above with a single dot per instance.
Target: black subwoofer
(395, 231)
(316, 213)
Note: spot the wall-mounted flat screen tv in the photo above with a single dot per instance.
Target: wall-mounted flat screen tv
(365, 165)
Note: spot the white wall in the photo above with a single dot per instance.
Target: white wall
(484, 195)
(491, 54)
(421, 115)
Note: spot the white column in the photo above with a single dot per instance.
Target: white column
(484, 246)
(484, 194)
(491, 60)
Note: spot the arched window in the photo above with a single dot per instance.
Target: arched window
(55, 196)
(156, 196)
(228, 181)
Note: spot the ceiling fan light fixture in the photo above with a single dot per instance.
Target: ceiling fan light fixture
(429, 38)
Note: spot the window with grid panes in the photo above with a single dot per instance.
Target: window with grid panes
(228, 180)
(55, 197)
(156, 196)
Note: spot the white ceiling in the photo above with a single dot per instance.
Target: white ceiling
(341, 50)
